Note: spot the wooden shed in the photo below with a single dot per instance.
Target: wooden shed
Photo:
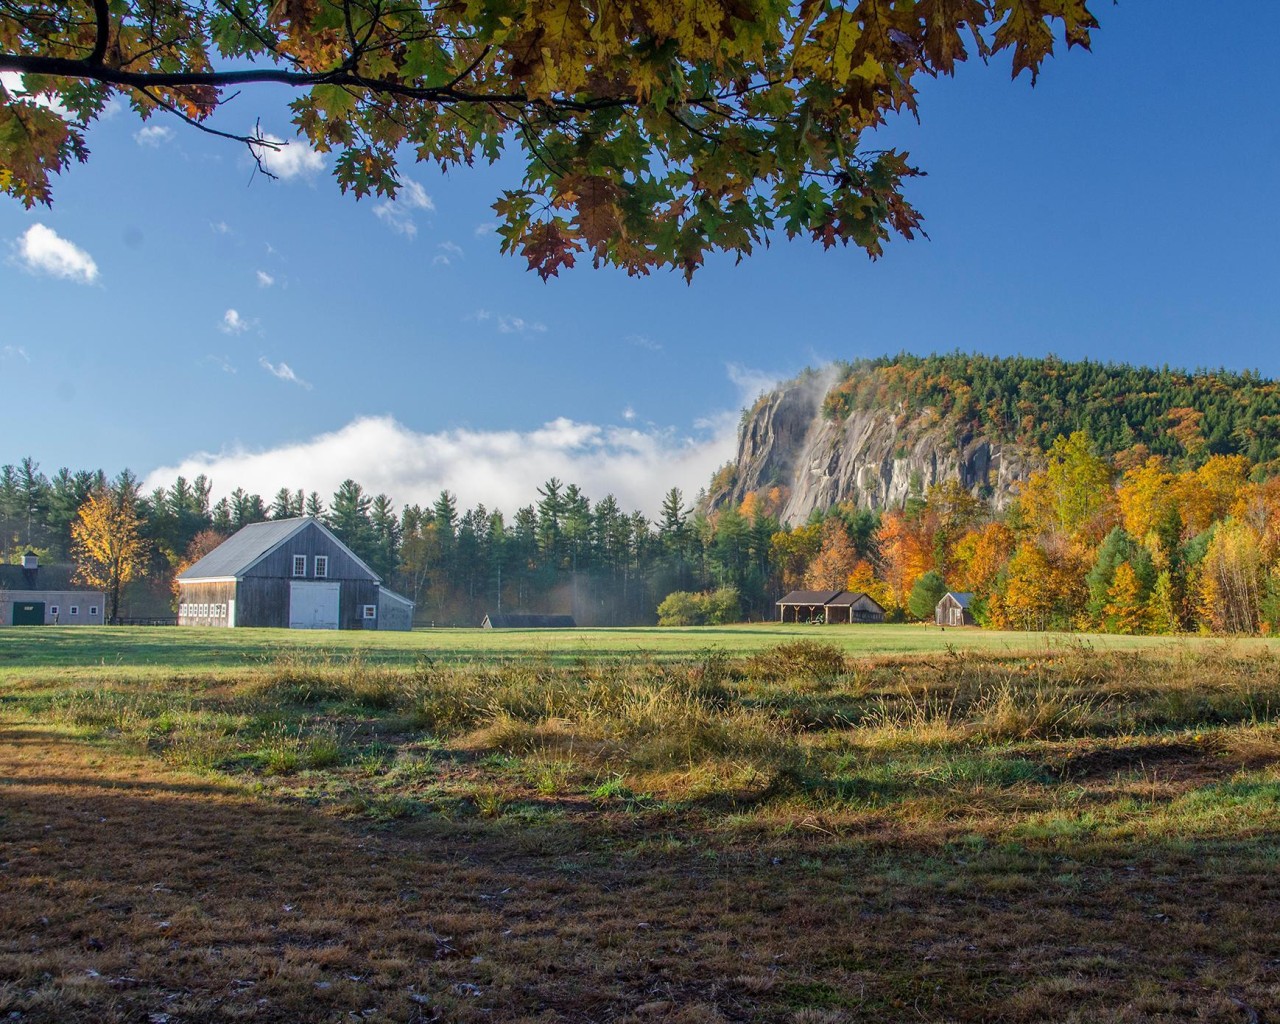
(850, 607)
(287, 573)
(953, 609)
(525, 620)
(830, 606)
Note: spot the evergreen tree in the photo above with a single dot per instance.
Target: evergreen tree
(348, 518)
(926, 592)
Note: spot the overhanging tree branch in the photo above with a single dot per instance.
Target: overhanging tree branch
(63, 67)
(653, 133)
(103, 34)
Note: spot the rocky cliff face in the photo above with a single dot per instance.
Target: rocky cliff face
(876, 458)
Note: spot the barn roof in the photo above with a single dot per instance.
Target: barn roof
(47, 577)
(845, 599)
(962, 599)
(385, 592)
(810, 597)
(524, 620)
(239, 552)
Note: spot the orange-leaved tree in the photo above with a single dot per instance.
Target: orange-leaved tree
(835, 561)
(201, 544)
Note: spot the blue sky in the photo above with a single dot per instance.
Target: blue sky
(1123, 209)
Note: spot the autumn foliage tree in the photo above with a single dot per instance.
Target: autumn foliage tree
(1073, 496)
(201, 544)
(652, 132)
(107, 543)
(835, 561)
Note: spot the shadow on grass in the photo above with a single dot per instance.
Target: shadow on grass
(127, 892)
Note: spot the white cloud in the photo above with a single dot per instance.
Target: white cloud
(752, 383)
(288, 160)
(221, 362)
(487, 228)
(16, 86)
(397, 214)
(413, 196)
(500, 468)
(519, 325)
(14, 352)
(153, 135)
(452, 248)
(283, 371)
(41, 250)
(220, 227)
(265, 280)
(396, 219)
(629, 414)
(440, 260)
(234, 323)
(507, 323)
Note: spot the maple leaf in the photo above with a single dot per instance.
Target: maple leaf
(548, 246)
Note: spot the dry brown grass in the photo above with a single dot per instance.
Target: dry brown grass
(1086, 838)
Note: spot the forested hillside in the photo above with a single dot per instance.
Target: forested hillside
(1181, 415)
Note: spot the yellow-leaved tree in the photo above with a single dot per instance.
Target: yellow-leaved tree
(1232, 580)
(107, 543)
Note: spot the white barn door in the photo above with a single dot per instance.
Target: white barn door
(313, 605)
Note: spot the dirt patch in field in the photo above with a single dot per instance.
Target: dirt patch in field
(129, 893)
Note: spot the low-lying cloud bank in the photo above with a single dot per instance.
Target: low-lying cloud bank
(500, 468)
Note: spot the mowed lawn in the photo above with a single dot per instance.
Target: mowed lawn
(791, 825)
(164, 649)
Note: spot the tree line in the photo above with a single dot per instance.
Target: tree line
(561, 552)
(1089, 542)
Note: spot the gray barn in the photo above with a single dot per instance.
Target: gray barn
(35, 595)
(287, 573)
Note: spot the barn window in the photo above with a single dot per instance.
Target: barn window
(322, 567)
(53, 609)
(73, 610)
(93, 609)
(370, 611)
(299, 565)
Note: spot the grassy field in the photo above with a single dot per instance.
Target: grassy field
(162, 650)
(776, 824)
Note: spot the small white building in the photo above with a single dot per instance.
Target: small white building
(36, 595)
